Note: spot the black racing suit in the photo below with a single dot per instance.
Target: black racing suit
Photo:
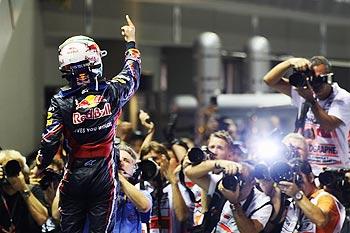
(87, 118)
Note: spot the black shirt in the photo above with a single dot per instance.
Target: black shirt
(15, 207)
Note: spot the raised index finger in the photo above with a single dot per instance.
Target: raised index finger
(129, 21)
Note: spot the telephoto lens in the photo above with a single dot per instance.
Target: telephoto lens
(230, 182)
(149, 169)
(12, 168)
(281, 171)
(261, 172)
(196, 155)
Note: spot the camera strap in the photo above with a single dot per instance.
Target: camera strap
(9, 212)
(284, 206)
(188, 190)
(300, 120)
(248, 201)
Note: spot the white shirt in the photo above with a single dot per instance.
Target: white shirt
(327, 148)
(227, 222)
(168, 213)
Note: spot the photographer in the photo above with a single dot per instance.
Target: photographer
(323, 105)
(46, 189)
(20, 210)
(220, 147)
(312, 209)
(297, 146)
(172, 207)
(131, 201)
(247, 209)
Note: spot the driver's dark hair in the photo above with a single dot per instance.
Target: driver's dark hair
(321, 60)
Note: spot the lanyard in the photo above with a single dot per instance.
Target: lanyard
(10, 213)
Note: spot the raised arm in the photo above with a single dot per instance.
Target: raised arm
(274, 78)
(127, 81)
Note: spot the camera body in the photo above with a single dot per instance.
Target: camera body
(50, 176)
(11, 169)
(146, 170)
(299, 78)
(336, 182)
(333, 178)
(291, 172)
(231, 182)
(197, 155)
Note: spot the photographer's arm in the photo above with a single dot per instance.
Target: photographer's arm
(36, 209)
(169, 170)
(274, 78)
(326, 121)
(199, 173)
(314, 213)
(179, 151)
(245, 224)
(317, 215)
(179, 204)
(54, 206)
(149, 125)
(141, 202)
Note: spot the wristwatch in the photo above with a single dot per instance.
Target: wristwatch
(298, 196)
(234, 207)
(312, 101)
(26, 193)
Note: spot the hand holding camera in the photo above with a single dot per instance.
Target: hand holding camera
(230, 195)
(18, 183)
(299, 64)
(288, 188)
(168, 169)
(227, 167)
(307, 93)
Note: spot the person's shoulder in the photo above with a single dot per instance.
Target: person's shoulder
(341, 93)
(260, 196)
(65, 92)
(323, 196)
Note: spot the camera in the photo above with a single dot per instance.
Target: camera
(299, 78)
(282, 171)
(169, 131)
(291, 172)
(230, 182)
(49, 177)
(147, 170)
(336, 182)
(11, 169)
(292, 152)
(197, 155)
(333, 178)
(261, 172)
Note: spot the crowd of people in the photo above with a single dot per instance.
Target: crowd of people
(92, 175)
